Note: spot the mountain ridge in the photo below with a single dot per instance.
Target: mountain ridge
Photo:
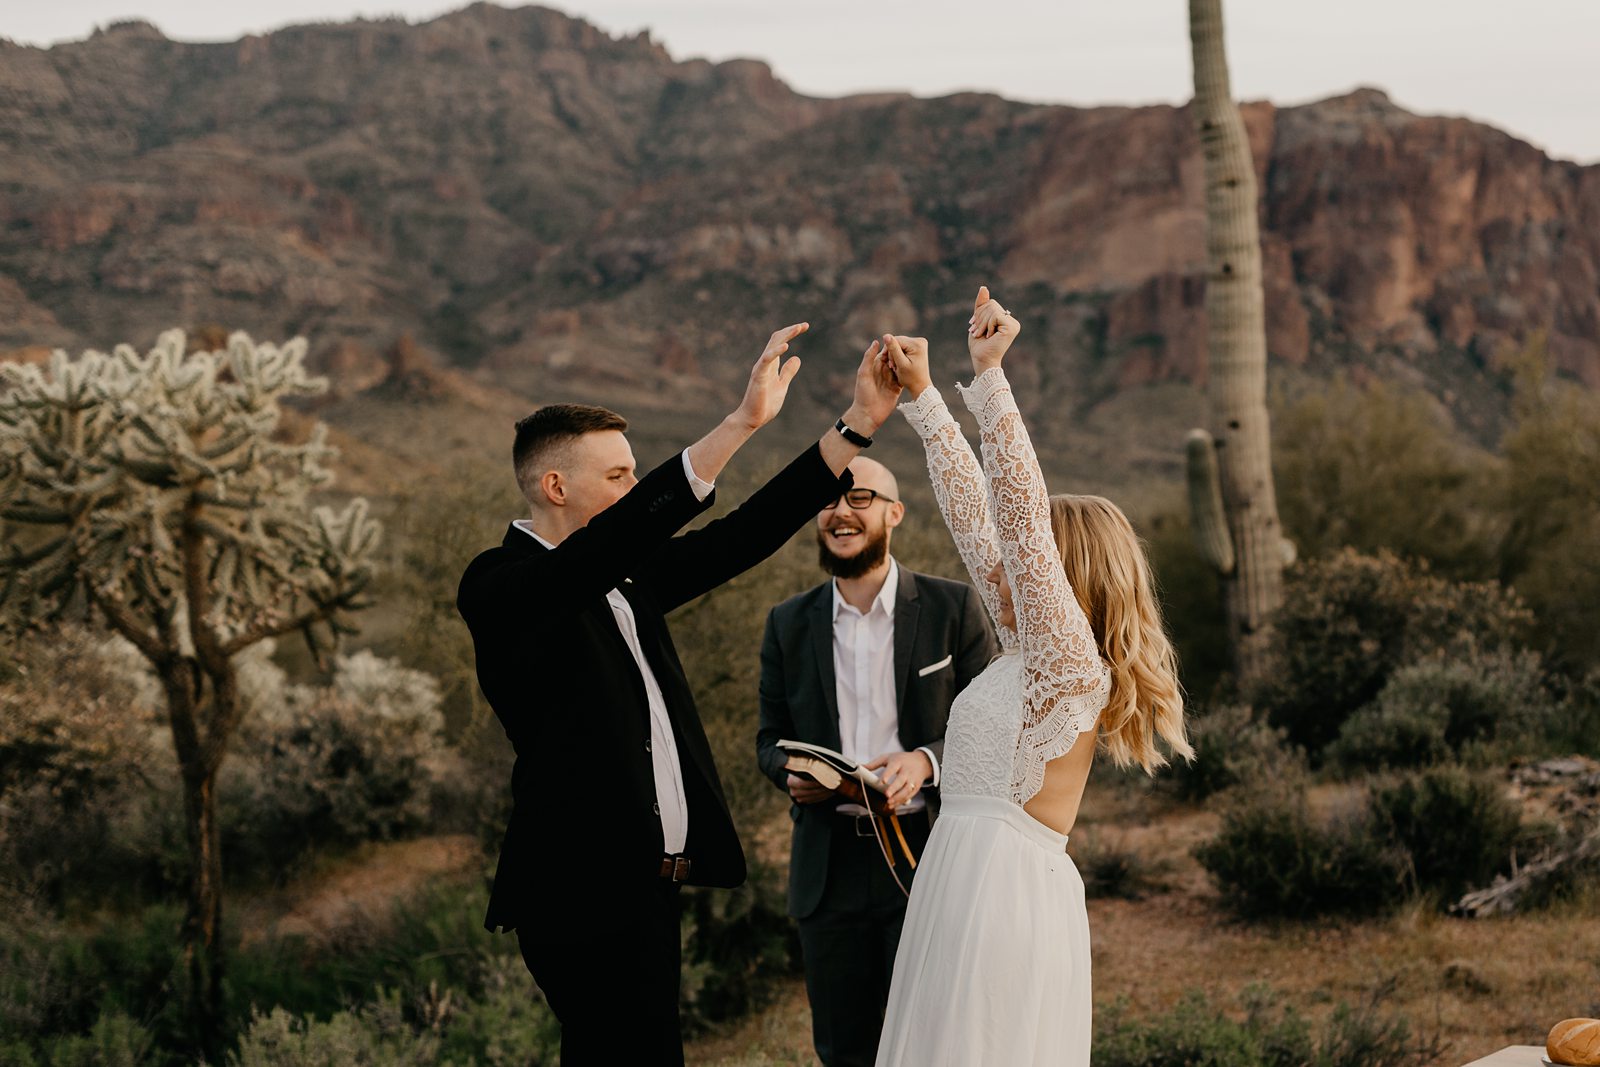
(560, 211)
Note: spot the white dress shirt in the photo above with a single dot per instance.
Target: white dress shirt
(671, 802)
(863, 671)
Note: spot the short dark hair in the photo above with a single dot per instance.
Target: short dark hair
(550, 428)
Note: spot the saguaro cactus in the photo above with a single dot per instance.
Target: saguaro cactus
(1247, 544)
(150, 491)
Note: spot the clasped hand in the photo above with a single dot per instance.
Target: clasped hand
(990, 331)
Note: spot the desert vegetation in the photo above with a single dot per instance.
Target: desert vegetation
(1428, 725)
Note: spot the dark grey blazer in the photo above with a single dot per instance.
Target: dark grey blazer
(938, 624)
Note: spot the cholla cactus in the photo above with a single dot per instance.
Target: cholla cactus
(150, 490)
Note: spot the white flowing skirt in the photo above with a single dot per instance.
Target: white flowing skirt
(993, 964)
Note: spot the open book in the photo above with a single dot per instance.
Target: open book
(832, 770)
(836, 771)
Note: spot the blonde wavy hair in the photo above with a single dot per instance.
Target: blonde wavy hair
(1106, 564)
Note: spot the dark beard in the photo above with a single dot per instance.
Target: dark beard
(876, 550)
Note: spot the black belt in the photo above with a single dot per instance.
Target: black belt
(676, 868)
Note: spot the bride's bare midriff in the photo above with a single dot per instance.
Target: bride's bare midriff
(1056, 803)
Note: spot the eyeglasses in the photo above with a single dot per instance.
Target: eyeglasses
(860, 499)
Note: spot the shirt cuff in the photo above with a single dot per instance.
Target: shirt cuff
(702, 489)
(934, 781)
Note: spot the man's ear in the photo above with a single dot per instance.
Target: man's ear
(554, 488)
(895, 515)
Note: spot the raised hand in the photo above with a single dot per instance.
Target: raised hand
(877, 391)
(990, 332)
(769, 379)
(909, 356)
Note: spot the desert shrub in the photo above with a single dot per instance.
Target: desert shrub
(738, 946)
(374, 1035)
(1114, 869)
(1549, 506)
(1273, 857)
(1574, 722)
(1190, 591)
(115, 1040)
(1231, 747)
(82, 750)
(1349, 621)
(1196, 1033)
(355, 760)
(1376, 469)
(437, 525)
(1435, 709)
(58, 983)
(1457, 829)
(507, 1024)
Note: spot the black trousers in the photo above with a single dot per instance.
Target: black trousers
(849, 942)
(615, 990)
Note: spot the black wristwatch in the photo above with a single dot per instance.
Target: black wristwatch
(859, 440)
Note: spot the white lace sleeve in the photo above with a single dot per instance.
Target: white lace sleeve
(963, 497)
(1066, 683)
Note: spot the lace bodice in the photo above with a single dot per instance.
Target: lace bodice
(1032, 703)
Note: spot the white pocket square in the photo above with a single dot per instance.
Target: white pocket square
(941, 665)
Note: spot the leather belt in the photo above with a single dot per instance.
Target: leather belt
(674, 868)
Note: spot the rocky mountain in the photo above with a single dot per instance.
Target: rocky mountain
(515, 196)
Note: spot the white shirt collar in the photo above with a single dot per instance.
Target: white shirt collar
(526, 526)
(884, 599)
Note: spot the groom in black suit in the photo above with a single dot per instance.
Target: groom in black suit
(866, 663)
(616, 801)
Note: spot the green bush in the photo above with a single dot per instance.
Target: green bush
(738, 945)
(58, 984)
(1379, 469)
(374, 1035)
(1440, 831)
(1231, 747)
(1436, 709)
(1458, 830)
(1197, 1034)
(507, 1024)
(115, 1040)
(1349, 621)
(1549, 507)
(1272, 857)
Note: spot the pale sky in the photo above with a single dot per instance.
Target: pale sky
(1519, 67)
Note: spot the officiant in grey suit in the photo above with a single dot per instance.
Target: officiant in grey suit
(866, 663)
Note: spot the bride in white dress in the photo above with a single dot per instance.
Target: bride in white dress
(993, 964)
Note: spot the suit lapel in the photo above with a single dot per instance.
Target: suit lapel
(821, 620)
(906, 610)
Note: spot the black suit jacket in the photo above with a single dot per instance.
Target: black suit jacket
(585, 833)
(942, 640)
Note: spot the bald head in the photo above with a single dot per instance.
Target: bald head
(854, 541)
(870, 474)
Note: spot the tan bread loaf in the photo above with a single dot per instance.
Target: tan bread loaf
(1575, 1042)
